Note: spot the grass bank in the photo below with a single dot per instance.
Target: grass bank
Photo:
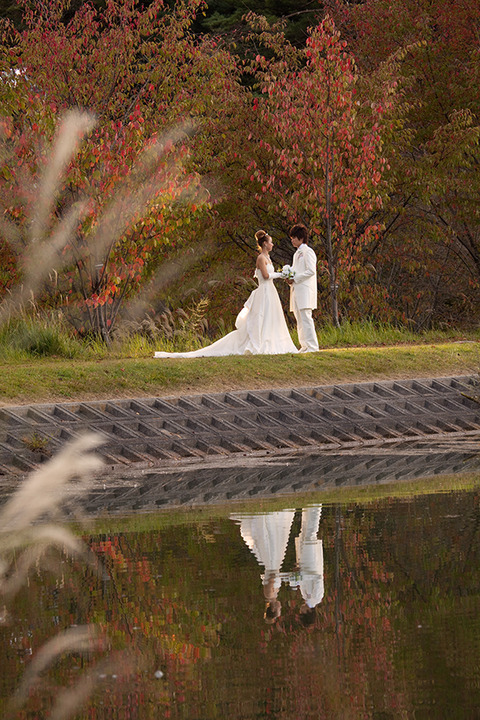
(50, 379)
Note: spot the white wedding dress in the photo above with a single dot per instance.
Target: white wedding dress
(260, 327)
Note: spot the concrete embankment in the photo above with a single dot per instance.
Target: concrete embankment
(193, 436)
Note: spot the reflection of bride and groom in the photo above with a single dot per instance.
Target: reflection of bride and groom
(266, 535)
(260, 326)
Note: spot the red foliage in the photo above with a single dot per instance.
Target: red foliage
(324, 160)
(138, 70)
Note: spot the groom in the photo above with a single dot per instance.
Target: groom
(303, 288)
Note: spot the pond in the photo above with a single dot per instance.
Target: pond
(298, 607)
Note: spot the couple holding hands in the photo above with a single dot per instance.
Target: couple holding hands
(260, 326)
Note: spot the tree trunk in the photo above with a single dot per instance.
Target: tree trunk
(332, 269)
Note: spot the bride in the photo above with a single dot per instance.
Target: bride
(260, 326)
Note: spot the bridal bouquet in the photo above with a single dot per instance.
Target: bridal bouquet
(287, 272)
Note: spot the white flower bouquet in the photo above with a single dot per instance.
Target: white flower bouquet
(287, 272)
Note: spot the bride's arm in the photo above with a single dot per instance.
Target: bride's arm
(262, 266)
(268, 274)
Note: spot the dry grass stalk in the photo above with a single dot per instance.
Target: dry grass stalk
(123, 664)
(25, 538)
(84, 639)
(48, 244)
(138, 191)
(14, 569)
(71, 132)
(23, 541)
(27, 530)
(44, 247)
(44, 491)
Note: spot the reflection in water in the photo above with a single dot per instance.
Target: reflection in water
(267, 537)
(309, 577)
(282, 474)
(393, 633)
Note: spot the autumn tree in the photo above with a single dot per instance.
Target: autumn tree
(431, 249)
(324, 159)
(143, 75)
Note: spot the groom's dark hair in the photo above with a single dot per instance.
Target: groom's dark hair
(299, 231)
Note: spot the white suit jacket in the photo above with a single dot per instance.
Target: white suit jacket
(304, 287)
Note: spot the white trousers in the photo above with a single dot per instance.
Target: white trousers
(307, 337)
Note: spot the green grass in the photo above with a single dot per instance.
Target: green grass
(37, 336)
(58, 379)
(48, 335)
(44, 362)
(41, 360)
(369, 332)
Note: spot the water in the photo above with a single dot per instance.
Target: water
(378, 618)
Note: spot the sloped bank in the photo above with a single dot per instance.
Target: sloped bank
(161, 433)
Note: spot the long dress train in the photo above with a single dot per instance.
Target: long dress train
(266, 535)
(260, 327)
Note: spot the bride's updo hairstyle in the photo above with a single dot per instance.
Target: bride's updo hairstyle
(261, 237)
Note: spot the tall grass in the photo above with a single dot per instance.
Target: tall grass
(34, 333)
(372, 333)
(366, 332)
(38, 334)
